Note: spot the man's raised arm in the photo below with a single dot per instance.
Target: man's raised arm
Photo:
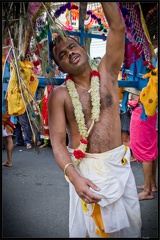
(115, 38)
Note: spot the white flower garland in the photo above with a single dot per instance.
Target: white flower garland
(79, 153)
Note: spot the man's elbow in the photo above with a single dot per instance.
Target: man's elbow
(121, 27)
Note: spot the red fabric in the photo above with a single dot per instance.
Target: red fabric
(143, 136)
(45, 108)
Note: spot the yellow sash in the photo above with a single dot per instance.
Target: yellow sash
(96, 215)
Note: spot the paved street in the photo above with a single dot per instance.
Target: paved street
(35, 197)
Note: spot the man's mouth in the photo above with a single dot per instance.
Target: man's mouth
(74, 59)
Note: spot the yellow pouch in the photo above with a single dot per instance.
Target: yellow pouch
(21, 90)
(149, 94)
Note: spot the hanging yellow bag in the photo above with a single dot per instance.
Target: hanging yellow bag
(149, 94)
(22, 86)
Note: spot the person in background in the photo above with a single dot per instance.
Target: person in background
(19, 135)
(125, 117)
(44, 111)
(24, 127)
(103, 194)
(7, 133)
(96, 61)
(36, 107)
(143, 143)
(7, 136)
(8, 127)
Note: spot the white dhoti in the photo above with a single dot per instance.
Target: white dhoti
(119, 206)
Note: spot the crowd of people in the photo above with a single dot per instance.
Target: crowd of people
(89, 138)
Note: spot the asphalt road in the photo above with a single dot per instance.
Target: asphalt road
(35, 197)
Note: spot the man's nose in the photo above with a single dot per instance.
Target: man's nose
(70, 54)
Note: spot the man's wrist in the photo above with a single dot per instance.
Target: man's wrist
(66, 166)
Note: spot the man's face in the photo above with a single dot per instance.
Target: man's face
(70, 56)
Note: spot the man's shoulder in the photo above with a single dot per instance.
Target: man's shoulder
(60, 87)
(59, 92)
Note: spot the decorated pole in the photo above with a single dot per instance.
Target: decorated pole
(82, 14)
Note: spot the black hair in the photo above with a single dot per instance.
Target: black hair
(97, 58)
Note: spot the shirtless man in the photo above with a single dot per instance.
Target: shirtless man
(103, 195)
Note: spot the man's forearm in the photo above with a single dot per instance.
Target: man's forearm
(112, 15)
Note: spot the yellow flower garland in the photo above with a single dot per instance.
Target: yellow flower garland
(79, 153)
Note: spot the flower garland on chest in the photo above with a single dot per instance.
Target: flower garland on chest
(79, 153)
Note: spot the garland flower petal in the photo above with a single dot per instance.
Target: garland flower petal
(79, 153)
